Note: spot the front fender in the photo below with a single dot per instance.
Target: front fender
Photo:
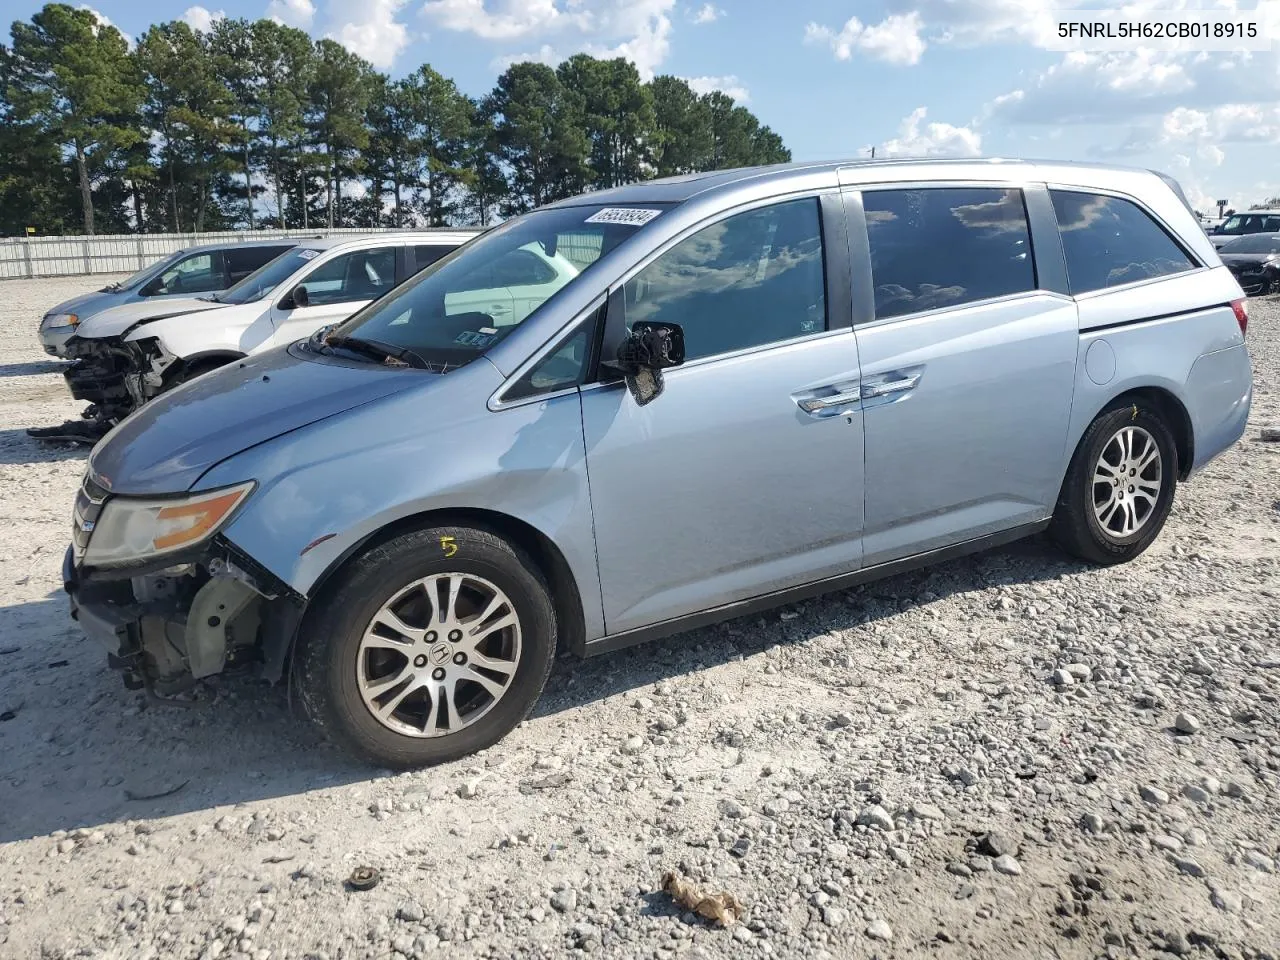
(325, 489)
(225, 330)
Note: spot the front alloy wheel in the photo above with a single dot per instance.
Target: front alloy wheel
(427, 647)
(439, 655)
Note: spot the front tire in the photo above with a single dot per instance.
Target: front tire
(428, 647)
(1119, 488)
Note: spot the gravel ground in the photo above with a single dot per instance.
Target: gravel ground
(1007, 756)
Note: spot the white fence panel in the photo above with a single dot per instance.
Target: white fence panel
(124, 253)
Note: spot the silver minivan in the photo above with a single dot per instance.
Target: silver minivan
(759, 386)
(204, 269)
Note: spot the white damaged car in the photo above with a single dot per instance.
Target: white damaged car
(128, 354)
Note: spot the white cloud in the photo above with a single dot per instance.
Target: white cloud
(294, 13)
(896, 39)
(511, 20)
(202, 19)
(369, 28)
(707, 13)
(728, 85)
(935, 140)
(639, 30)
(104, 21)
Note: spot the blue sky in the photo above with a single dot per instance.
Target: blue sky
(833, 77)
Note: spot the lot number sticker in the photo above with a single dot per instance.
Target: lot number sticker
(628, 216)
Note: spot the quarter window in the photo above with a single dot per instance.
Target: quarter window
(939, 247)
(1109, 241)
(750, 279)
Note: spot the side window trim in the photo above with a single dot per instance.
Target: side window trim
(615, 317)
(860, 246)
(590, 314)
(1046, 241)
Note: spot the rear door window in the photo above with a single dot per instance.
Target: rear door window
(242, 261)
(359, 275)
(428, 253)
(1109, 241)
(944, 246)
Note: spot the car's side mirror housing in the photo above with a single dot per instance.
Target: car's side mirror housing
(649, 349)
(298, 297)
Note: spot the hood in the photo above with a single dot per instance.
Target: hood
(116, 320)
(1242, 259)
(167, 444)
(86, 304)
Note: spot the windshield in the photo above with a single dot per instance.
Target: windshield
(131, 281)
(268, 276)
(458, 308)
(1255, 244)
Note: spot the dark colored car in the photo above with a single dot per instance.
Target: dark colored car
(1255, 261)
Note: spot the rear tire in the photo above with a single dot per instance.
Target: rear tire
(428, 647)
(1119, 488)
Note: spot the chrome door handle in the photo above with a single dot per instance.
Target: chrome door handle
(814, 404)
(871, 390)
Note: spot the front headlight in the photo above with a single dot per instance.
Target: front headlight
(132, 529)
(61, 320)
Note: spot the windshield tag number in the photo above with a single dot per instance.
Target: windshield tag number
(473, 339)
(627, 216)
(308, 254)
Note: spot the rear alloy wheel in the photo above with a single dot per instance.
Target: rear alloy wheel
(428, 647)
(1119, 488)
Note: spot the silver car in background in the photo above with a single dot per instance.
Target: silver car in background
(760, 385)
(205, 269)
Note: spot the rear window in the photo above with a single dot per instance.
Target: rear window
(944, 246)
(1109, 241)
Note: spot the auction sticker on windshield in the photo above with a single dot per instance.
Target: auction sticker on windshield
(630, 216)
(308, 254)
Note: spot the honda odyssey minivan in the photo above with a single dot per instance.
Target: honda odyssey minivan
(759, 385)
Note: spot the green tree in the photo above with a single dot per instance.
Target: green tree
(391, 142)
(192, 109)
(481, 176)
(618, 117)
(73, 77)
(284, 60)
(683, 143)
(539, 136)
(339, 96)
(442, 118)
(231, 49)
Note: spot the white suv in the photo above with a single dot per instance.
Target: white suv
(128, 354)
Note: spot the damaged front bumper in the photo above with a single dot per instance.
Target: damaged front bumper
(115, 376)
(195, 617)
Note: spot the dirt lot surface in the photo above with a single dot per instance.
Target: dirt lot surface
(986, 759)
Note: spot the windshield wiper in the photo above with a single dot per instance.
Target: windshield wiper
(378, 351)
(211, 298)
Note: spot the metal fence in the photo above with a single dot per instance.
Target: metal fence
(123, 253)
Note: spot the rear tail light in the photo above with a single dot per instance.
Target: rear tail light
(1241, 309)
